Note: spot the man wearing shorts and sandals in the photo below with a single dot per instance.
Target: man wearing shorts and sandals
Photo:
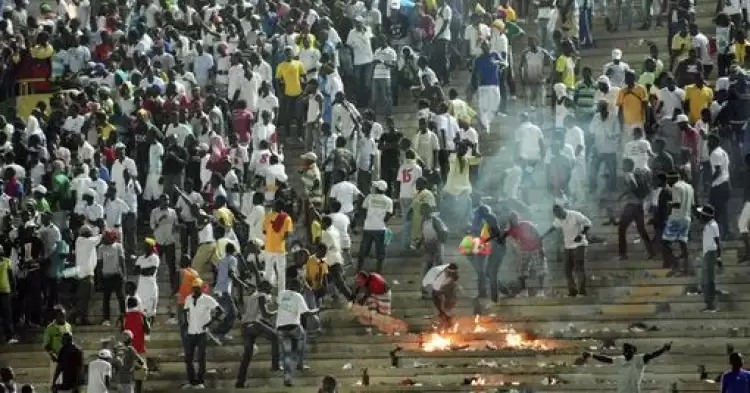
(678, 223)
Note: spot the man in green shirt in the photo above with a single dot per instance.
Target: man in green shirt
(6, 289)
(583, 97)
(40, 197)
(53, 334)
(60, 194)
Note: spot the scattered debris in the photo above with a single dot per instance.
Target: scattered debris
(395, 282)
(702, 374)
(484, 363)
(476, 380)
(394, 356)
(407, 382)
(365, 377)
(418, 364)
(608, 343)
(491, 346)
(347, 366)
(640, 327)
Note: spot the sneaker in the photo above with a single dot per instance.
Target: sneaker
(186, 386)
(288, 383)
(710, 310)
(106, 323)
(12, 341)
(172, 321)
(199, 386)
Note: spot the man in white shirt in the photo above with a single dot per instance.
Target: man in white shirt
(384, 59)
(678, 222)
(202, 310)
(630, 366)
(359, 40)
(100, 373)
(638, 150)
(407, 177)
(701, 45)
(671, 97)
(574, 227)
(346, 193)
(255, 216)
(616, 69)
(366, 157)
(720, 191)
(530, 147)
(379, 209)
(85, 257)
(426, 145)
(711, 256)
(442, 41)
(341, 222)
(154, 188)
(291, 309)
(121, 164)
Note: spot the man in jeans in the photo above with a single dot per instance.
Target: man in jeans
(384, 60)
(201, 310)
(226, 277)
(574, 226)
(711, 256)
(163, 222)
(256, 323)
(434, 235)
(111, 259)
(292, 307)
(637, 181)
(379, 208)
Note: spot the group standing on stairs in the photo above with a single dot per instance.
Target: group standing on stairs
(169, 122)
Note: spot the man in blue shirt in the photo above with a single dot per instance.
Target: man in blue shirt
(226, 277)
(736, 380)
(485, 79)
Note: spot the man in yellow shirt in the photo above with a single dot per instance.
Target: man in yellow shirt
(6, 289)
(290, 73)
(681, 44)
(632, 101)
(565, 67)
(698, 96)
(276, 226)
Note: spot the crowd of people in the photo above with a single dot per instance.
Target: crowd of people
(170, 121)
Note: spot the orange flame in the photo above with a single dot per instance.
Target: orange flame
(437, 343)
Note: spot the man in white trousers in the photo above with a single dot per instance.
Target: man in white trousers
(485, 77)
(277, 226)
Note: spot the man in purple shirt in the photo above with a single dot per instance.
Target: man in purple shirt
(737, 380)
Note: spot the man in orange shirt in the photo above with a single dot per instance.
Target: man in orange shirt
(632, 101)
(276, 226)
(186, 277)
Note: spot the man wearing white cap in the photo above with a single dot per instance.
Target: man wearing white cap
(379, 209)
(100, 373)
(616, 68)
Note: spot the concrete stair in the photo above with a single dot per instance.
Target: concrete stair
(625, 297)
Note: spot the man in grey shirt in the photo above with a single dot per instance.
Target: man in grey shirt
(256, 323)
(111, 261)
(163, 222)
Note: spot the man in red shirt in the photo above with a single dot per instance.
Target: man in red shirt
(690, 139)
(532, 262)
(373, 292)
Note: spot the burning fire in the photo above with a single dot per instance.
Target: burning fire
(437, 343)
(450, 339)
